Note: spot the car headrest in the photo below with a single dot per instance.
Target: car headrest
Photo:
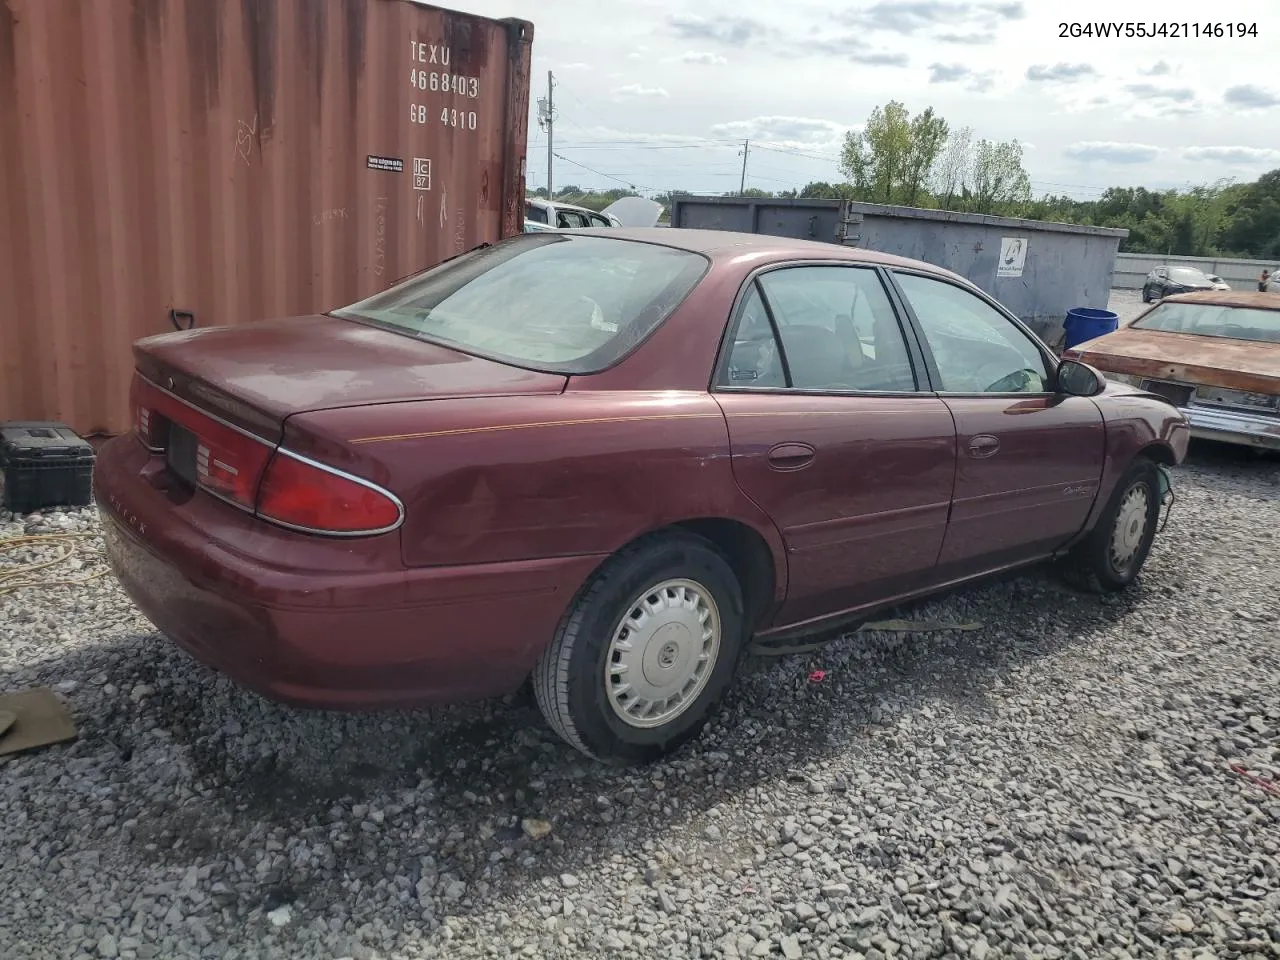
(814, 355)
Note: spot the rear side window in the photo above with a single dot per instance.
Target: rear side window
(561, 303)
(838, 330)
(535, 213)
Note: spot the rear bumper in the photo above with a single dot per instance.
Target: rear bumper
(1234, 426)
(317, 622)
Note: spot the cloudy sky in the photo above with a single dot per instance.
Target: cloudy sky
(659, 94)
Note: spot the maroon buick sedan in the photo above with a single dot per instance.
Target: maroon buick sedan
(605, 460)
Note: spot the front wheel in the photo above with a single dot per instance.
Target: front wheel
(644, 652)
(1146, 295)
(1113, 553)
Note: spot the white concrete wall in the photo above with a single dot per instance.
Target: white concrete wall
(1132, 269)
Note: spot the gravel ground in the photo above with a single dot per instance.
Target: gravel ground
(1055, 785)
(1126, 304)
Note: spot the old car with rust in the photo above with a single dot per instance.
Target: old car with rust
(695, 438)
(1215, 355)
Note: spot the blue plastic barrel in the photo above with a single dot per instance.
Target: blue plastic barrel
(1086, 323)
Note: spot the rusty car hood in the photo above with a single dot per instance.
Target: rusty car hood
(283, 367)
(1188, 358)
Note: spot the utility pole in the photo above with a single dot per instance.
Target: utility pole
(746, 146)
(546, 120)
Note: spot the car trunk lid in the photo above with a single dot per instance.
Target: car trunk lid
(215, 403)
(257, 375)
(1240, 365)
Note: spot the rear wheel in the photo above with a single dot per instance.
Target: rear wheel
(644, 652)
(1110, 558)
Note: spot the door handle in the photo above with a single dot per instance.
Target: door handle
(791, 456)
(983, 446)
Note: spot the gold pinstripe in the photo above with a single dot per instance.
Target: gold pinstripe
(460, 431)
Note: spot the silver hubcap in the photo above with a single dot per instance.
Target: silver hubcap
(1131, 527)
(662, 653)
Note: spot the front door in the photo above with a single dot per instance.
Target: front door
(1162, 280)
(832, 437)
(1030, 459)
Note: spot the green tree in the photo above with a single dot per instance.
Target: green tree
(1252, 218)
(891, 158)
(928, 137)
(821, 190)
(954, 169)
(1000, 182)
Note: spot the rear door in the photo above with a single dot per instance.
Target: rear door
(833, 437)
(1029, 459)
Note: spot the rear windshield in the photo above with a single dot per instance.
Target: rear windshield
(1187, 275)
(554, 302)
(1213, 320)
(535, 213)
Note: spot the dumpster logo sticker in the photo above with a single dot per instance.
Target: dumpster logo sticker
(421, 173)
(390, 164)
(1013, 254)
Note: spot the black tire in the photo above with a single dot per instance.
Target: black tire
(569, 679)
(1093, 565)
(1146, 295)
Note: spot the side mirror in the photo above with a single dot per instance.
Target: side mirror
(1078, 379)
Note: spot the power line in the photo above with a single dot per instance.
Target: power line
(607, 176)
(633, 142)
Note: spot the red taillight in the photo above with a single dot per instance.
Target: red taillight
(309, 496)
(229, 463)
(200, 449)
(248, 471)
(142, 413)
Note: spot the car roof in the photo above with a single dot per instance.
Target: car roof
(561, 205)
(1229, 298)
(726, 244)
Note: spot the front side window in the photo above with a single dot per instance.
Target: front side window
(838, 332)
(975, 347)
(1214, 320)
(562, 303)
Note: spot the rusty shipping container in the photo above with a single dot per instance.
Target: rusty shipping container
(173, 162)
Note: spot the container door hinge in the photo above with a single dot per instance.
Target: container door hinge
(849, 229)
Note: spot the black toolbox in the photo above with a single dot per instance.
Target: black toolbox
(44, 465)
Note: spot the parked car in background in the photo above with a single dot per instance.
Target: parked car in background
(692, 438)
(565, 216)
(1215, 355)
(1167, 281)
(1218, 282)
(624, 212)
